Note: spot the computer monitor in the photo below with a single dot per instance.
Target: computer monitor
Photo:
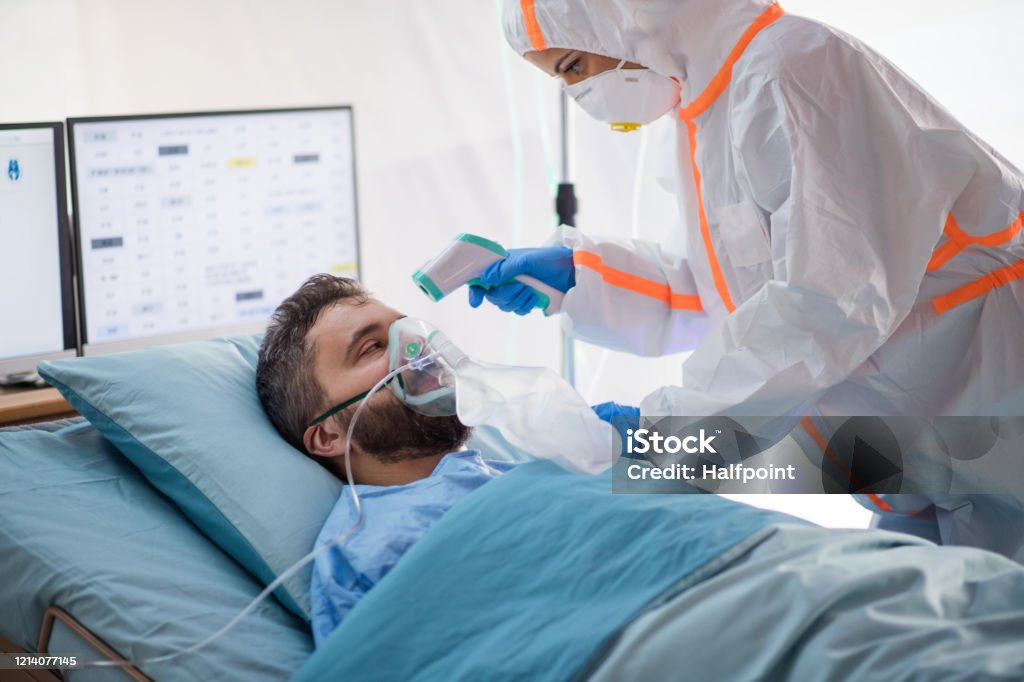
(196, 225)
(37, 304)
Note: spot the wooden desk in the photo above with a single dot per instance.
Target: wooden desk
(27, 405)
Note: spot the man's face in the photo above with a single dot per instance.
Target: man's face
(350, 344)
(351, 348)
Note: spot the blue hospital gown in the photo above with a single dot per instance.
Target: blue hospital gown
(394, 518)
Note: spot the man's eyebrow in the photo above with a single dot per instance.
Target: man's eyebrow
(558, 65)
(360, 334)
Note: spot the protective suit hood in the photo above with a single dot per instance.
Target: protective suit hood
(685, 39)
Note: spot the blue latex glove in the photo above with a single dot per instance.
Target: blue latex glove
(607, 411)
(625, 417)
(550, 264)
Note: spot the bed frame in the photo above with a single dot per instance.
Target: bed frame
(25, 406)
(51, 616)
(19, 407)
(27, 675)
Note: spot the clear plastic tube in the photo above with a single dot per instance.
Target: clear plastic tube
(511, 100)
(416, 364)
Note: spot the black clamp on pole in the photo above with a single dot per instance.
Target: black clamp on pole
(565, 204)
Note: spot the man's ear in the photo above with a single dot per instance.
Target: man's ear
(322, 442)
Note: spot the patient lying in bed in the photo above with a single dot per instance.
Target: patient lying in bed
(328, 343)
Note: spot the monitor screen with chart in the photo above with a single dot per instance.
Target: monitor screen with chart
(37, 304)
(198, 225)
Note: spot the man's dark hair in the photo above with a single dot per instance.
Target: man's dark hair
(285, 381)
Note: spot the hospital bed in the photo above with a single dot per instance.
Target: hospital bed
(540, 574)
(146, 523)
(96, 563)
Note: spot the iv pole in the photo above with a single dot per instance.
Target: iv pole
(565, 207)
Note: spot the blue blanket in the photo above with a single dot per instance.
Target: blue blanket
(531, 576)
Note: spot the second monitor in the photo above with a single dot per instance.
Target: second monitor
(196, 225)
(37, 308)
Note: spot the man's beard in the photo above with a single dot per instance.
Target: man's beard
(389, 431)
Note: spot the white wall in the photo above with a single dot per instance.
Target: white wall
(41, 69)
(450, 127)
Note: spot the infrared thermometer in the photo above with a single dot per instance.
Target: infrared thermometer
(464, 260)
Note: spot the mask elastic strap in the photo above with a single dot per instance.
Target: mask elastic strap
(341, 406)
(338, 408)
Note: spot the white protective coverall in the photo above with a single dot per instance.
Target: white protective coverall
(852, 249)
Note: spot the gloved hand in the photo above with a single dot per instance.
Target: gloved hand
(550, 264)
(607, 411)
(625, 417)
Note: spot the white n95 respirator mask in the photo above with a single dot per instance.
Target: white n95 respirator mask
(626, 98)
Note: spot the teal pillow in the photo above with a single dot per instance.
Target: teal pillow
(188, 417)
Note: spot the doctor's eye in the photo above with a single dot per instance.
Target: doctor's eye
(574, 67)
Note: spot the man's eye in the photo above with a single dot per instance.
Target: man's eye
(574, 67)
(372, 347)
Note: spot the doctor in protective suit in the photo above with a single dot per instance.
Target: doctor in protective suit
(851, 248)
